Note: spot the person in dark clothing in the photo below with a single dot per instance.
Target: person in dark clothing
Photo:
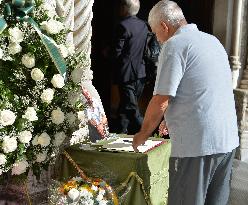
(129, 65)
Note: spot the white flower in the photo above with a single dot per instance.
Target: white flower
(44, 139)
(94, 188)
(81, 116)
(71, 118)
(59, 138)
(16, 35)
(76, 75)
(47, 95)
(85, 193)
(28, 60)
(7, 117)
(99, 197)
(63, 50)
(3, 159)
(41, 157)
(50, 10)
(1, 171)
(57, 116)
(30, 114)
(103, 202)
(102, 191)
(1, 53)
(73, 194)
(87, 75)
(9, 144)
(35, 140)
(37, 74)
(14, 48)
(19, 167)
(79, 135)
(52, 26)
(25, 136)
(58, 81)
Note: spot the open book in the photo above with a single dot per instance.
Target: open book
(125, 144)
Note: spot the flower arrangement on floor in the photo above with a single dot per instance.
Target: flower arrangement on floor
(38, 73)
(79, 191)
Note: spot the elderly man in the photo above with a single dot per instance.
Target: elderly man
(129, 67)
(193, 91)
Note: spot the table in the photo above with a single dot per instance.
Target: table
(141, 178)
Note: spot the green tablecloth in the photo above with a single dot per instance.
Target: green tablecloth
(140, 178)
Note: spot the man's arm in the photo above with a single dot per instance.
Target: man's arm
(153, 116)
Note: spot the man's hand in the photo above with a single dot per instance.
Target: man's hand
(139, 139)
(163, 129)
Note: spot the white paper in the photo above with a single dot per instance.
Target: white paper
(125, 144)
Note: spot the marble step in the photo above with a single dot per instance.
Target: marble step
(244, 82)
(242, 86)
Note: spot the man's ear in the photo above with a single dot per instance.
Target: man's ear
(164, 26)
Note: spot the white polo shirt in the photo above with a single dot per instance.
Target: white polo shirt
(194, 70)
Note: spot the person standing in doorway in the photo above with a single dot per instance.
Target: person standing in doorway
(193, 91)
(129, 67)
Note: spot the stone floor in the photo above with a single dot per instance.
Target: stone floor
(239, 184)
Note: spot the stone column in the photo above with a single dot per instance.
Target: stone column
(236, 36)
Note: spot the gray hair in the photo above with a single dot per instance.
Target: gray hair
(167, 11)
(130, 6)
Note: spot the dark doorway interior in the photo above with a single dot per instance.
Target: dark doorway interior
(105, 17)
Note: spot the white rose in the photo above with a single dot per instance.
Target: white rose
(3, 159)
(59, 138)
(9, 144)
(37, 74)
(70, 118)
(44, 139)
(35, 140)
(57, 116)
(14, 48)
(30, 114)
(81, 116)
(16, 35)
(63, 50)
(73, 194)
(19, 167)
(28, 60)
(1, 53)
(47, 95)
(41, 157)
(50, 10)
(77, 74)
(52, 26)
(25, 136)
(58, 81)
(7, 117)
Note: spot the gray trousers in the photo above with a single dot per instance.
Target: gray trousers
(200, 180)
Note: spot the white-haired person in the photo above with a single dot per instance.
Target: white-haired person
(193, 91)
(129, 66)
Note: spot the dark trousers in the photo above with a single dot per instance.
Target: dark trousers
(130, 119)
(200, 180)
